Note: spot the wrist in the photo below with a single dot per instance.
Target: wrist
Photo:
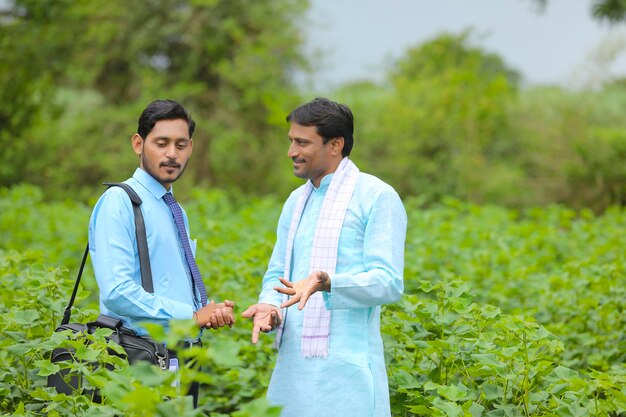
(325, 281)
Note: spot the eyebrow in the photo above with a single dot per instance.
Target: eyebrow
(168, 138)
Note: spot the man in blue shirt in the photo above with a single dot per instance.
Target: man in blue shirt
(339, 256)
(164, 144)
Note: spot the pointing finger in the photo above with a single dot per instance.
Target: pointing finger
(255, 334)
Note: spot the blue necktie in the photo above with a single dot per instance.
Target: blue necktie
(177, 212)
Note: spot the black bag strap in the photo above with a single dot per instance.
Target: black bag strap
(142, 248)
(68, 309)
(140, 233)
(107, 322)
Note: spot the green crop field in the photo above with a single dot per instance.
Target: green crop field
(505, 313)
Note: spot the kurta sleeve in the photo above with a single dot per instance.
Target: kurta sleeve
(112, 245)
(381, 280)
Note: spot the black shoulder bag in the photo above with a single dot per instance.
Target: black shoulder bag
(137, 348)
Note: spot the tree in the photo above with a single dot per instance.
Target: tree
(225, 60)
(441, 129)
(613, 11)
(27, 73)
(573, 146)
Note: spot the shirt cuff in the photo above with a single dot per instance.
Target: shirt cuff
(182, 311)
(329, 297)
(270, 302)
(271, 297)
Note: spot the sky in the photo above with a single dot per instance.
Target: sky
(352, 40)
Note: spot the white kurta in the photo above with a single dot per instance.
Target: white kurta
(352, 380)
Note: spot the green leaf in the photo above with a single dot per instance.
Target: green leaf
(20, 349)
(27, 318)
(453, 392)
(87, 353)
(258, 407)
(448, 408)
(564, 372)
(46, 367)
(476, 410)
(488, 359)
(226, 354)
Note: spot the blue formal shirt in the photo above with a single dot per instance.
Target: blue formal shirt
(115, 259)
(352, 380)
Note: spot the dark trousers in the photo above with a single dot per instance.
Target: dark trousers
(194, 389)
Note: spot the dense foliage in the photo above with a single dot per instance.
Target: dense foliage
(450, 120)
(505, 313)
(78, 74)
(516, 311)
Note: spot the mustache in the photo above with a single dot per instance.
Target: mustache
(170, 163)
(298, 160)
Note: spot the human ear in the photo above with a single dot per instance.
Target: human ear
(137, 143)
(337, 145)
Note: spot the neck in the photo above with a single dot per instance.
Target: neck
(317, 181)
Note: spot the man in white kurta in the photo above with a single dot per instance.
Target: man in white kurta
(351, 379)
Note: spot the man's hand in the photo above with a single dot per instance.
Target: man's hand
(265, 318)
(303, 289)
(214, 316)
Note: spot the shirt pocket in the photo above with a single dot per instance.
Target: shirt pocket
(349, 336)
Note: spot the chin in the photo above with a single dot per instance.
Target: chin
(168, 179)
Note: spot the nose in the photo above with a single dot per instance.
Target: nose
(171, 152)
(292, 152)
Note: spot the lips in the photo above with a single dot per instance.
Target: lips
(171, 166)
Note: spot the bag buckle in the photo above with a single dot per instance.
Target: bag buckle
(162, 359)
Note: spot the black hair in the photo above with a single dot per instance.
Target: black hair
(163, 110)
(331, 119)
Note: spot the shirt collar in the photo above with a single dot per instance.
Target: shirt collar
(324, 183)
(151, 184)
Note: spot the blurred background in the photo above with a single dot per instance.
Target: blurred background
(501, 123)
(518, 103)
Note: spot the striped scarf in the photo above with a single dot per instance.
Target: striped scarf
(316, 328)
